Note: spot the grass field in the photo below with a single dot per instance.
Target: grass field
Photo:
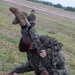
(10, 35)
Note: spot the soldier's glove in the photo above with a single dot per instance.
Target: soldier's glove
(44, 72)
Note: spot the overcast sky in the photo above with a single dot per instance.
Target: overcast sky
(63, 2)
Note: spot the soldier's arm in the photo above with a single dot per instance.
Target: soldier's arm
(15, 21)
(23, 68)
(36, 40)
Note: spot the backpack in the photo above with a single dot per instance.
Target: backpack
(50, 42)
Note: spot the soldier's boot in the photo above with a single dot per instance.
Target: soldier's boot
(44, 72)
(20, 16)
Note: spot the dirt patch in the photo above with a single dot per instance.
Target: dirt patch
(18, 2)
(2, 73)
(10, 33)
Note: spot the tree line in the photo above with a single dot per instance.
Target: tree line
(54, 5)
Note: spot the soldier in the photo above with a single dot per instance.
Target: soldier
(32, 18)
(48, 61)
(53, 62)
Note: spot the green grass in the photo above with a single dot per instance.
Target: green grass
(10, 56)
(9, 39)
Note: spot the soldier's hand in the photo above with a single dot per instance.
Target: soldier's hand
(43, 53)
